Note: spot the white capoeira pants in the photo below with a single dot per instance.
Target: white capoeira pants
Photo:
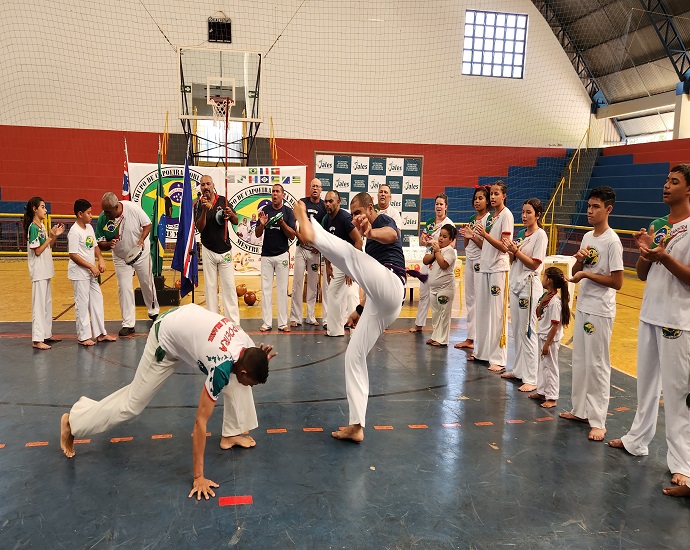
(591, 386)
(220, 266)
(88, 307)
(663, 363)
(523, 311)
(339, 298)
(305, 260)
(89, 417)
(125, 289)
(491, 318)
(384, 292)
(548, 377)
(324, 293)
(470, 297)
(41, 310)
(280, 267)
(424, 300)
(441, 312)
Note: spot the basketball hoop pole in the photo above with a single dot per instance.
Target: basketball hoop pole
(227, 113)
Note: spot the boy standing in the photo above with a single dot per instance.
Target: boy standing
(83, 271)
(599, 265)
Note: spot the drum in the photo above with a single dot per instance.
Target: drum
(134, 254)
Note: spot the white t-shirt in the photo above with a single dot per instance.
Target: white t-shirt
(473, 252)
(200, 337)
(434, 235)
(666, 300)
(533, 246)
(392, 212)
(549, 315)
(131, 226)
(492, 259)
(81, 242)
(442, 278)
(40, 267)
(605, 257)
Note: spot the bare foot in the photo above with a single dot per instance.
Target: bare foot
(680, 479)
(355, 432)
(467, 344)
(305, 229)
(86, 343)
(295, 324)
(509, 376)
(416, 328)
(497, 369)
(536, 396)
(41, 345)
(527, 387)
(66, 437)
(549, 404)
(229, 442)
(571, 416)
(106, 338)
(52, 340)
(680, 491)
(616, 444)
(596, 434)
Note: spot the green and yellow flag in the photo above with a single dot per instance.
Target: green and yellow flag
(159, 223)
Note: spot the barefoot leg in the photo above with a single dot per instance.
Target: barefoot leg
(616, 444)
(680, 479)
(571, 416)
(527, 387)
(536, 396)
(305, 228)
(354, 432)
(549, 404)
(244, 441)
(66, 437)
(680, 491)
(596, 434)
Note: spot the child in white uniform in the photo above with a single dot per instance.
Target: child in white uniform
(473, 252)
(553, 313)
(41, 270)
(490, 343)
(441, 262)
(663, 361)
(527, 253)
(83, 271)
(599, 265)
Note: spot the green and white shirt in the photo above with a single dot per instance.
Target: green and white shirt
(128, 228)
(40, 267)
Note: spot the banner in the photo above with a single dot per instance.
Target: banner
(350, 174)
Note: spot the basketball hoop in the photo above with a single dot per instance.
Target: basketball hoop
(221, 107)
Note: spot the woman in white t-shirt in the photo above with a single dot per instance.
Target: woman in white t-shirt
(429, 233)
(527, 254)
(41, 271)
(441, 262)
(473, 252)
(492, 301)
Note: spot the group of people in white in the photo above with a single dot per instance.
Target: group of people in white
(502, 272)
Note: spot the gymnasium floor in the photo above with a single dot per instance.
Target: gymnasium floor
(454, 456)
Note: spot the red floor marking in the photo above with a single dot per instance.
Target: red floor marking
(545, 418)
(120, 439)
(81, 441)
(36, 444)
(312, 429)
(2, 445)
(417, 426)
(383, 427)
(452, 425)
(484, 423)
(277, 431)
(515, 421)
(162, 436)
(234, 501)
(621, 409)
(208, 434)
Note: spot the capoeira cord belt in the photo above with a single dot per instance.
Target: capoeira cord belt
(403, 272)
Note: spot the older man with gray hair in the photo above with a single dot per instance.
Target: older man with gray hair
(121, 228)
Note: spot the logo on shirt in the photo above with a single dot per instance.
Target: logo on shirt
(523, 303)
(227, 257)
(588, 328)
(476, 267)
(443, 300)
(592, 257)
(661, 236)
(495, 290)
(88, 242)
(670, 333)
(285, 263)
(314, 267)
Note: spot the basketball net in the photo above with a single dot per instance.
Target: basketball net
(221, 108)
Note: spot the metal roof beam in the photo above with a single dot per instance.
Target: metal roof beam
(651, 103)
(666, 30)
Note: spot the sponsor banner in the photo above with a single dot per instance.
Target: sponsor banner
(342, 165)
(410, 203)
(326, 181)
(359, 183)
(412, 184)
(395, 183)
(410, 221)
(412, 167)
(396, 202)
(341, 182)
(360, 165)
(323, 164)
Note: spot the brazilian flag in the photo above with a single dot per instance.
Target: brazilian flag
(159, 223)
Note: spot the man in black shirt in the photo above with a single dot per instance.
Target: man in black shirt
(307, 258)
(277, 225)
(380, 272)
(210, 214)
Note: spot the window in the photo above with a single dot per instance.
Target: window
(494, 44)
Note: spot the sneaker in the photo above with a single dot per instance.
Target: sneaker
(126, 331)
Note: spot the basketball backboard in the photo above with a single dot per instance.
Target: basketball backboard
(206, 73)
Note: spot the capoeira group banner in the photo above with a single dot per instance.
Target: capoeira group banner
(350, 174)
(248, 190)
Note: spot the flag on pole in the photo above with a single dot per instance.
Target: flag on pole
(159, 222)
(185, 259)
(125, 179)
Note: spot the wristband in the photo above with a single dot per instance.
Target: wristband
(359, 309)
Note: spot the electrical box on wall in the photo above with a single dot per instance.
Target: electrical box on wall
(219, 30)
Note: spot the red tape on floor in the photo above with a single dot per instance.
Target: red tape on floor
(235, 501)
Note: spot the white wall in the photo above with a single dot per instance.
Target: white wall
(349, 70)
